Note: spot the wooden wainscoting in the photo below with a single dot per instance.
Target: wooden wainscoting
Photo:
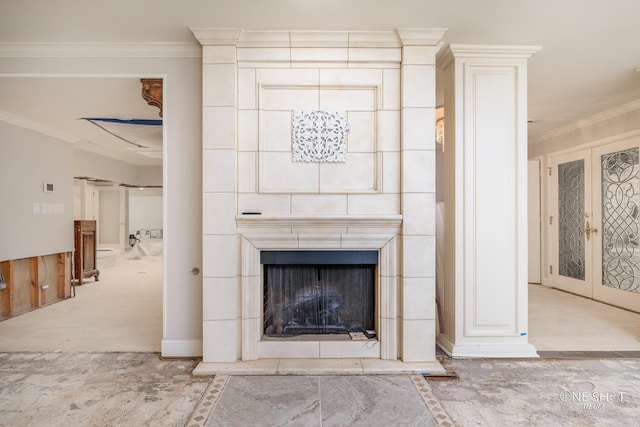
(34, 282)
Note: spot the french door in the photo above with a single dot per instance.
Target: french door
(595, 223)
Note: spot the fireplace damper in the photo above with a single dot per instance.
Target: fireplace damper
(318, 292)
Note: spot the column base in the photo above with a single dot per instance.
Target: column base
(462, 351)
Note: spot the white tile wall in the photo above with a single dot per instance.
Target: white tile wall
(418, 338)
(249, 92)
(420, 79)
(219, 170)
(306, 204)
(418, 128)
(215, 332)
(221, 254)
(248, 130)
(223, 93)
(419, 213)
(418, 171)
(221, 298)
(219, 127)
(357, 174)
(373, 204)
(279, 174)
(362, 135)
(215, 217)
(420, 261)
(418, 295)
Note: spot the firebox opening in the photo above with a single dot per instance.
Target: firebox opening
(318, 292)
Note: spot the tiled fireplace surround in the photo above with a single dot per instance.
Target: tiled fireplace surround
(255, 198)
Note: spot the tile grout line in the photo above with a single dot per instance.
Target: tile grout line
(207, 403)
(440, 416)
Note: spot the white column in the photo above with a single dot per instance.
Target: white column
(222, 315)
(485, 304)
(418, 104)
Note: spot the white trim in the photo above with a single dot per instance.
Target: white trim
(325, 221)
(99, 50)
(254, 347)
(524, 350)
(181, 348)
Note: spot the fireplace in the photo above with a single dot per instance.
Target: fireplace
(318, 292)
(318, 141)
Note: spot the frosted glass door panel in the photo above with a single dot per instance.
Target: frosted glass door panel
(571, 211)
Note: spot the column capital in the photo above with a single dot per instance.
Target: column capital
(420, 36)
(217, 36)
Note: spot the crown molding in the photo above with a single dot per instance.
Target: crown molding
(587, 121)
(99, 50)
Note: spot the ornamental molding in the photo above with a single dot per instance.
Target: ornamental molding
(99, 50)
(319, 136)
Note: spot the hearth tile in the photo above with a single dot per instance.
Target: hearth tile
(264, 400)
(372, 400)
(320, 367)
(298, 349)
(351, 349)
(378, 366)
(251, 367)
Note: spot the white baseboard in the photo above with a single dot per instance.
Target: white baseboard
(181, 348)
(515, 350)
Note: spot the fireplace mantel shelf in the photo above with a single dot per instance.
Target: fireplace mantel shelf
(369, 221)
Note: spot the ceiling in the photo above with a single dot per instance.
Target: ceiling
(588, 63)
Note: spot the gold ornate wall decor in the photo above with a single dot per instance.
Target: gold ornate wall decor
(152, 92)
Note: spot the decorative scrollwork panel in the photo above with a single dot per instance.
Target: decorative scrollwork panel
(620, 222)
(319, 136)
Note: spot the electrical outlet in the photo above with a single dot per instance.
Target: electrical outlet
(44, 286)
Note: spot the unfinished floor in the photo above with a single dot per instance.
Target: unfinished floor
(94, 361)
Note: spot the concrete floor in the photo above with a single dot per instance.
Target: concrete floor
(81, 363)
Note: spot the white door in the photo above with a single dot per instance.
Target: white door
(534, 221)
(595, 201)
(571, 246)
(111, 217)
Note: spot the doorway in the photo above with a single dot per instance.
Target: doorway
(595, 224)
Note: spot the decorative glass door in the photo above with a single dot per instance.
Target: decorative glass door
(596, 245)
(571, 204)
(617, 247)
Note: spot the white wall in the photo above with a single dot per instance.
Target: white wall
(145, 210)
(33, 222)
(182, 318)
